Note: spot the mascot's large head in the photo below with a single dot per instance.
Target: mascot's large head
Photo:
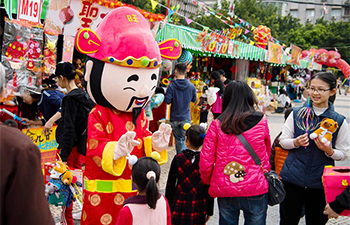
(124, 59)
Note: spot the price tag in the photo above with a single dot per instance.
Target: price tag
(29, 10)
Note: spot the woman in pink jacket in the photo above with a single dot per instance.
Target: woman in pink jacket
(227, 166)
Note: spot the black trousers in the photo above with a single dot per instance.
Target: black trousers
(296, 197)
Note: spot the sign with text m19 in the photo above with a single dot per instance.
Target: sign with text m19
(29, 10)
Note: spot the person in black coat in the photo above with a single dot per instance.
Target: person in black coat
(75, 108)
(71, 132)
(216, 109)
(341, 203)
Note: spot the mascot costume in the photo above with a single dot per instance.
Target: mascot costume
(122, 72)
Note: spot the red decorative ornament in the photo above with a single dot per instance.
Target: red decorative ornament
(66, 15)
(30, 64)
(15, 51)
(261, 35)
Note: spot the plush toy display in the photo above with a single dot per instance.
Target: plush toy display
(59, 189)
(122, 71)
(327, 128)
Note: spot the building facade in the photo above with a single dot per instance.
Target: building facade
(311, 10)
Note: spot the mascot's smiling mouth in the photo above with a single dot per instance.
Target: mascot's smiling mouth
(138, 101)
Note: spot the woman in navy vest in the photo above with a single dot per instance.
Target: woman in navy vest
(303, 167)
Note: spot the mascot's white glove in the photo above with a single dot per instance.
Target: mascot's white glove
(160, 138)
(125, 145)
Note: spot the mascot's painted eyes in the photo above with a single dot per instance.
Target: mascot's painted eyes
(154, 77)
(133, 77)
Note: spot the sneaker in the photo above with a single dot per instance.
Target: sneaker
(77, 216)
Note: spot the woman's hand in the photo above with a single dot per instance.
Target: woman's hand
(327, 149)
(47, 127)
(329, 212)
(30, 122)
(207, 218)
(302, 140)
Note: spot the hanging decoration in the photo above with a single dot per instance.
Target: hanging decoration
(50, 56)
(202, 35)
(274, 53)
(68, 48)
(261, 35)
(67, 17)
(296, 53)
(115, 4)
(235, 32)
(22, 56)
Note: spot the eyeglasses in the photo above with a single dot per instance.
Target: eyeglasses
(320, 91)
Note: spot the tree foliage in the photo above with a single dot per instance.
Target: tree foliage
(146, 5)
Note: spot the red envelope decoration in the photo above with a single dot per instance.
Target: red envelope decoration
(87, 41)
(170, 49)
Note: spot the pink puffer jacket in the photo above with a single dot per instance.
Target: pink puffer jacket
(227, 166)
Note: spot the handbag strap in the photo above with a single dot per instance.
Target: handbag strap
(249, 148)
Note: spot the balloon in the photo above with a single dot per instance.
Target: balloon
(167, 65)
(321, 56)
(344, 67)
(333, 57)
(297, 82)
(156, 100)
(305, 54)
(186, 57)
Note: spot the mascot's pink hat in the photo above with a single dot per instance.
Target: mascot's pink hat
(123, 38)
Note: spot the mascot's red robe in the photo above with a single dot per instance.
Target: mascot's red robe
(107, 181)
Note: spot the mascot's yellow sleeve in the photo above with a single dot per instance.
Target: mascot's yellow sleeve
(109, 165)
(148, 150)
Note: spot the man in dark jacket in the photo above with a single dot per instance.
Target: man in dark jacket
(342, 202)
(22, 194)
(223, 78)
(180, 94)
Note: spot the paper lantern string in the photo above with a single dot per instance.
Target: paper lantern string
(115, 4)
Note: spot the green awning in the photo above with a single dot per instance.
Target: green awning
(188, 39)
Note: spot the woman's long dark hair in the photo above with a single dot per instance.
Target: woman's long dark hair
(139, 177)
(239, 102)
(330, 79)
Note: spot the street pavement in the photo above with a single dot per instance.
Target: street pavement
(275, 121)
